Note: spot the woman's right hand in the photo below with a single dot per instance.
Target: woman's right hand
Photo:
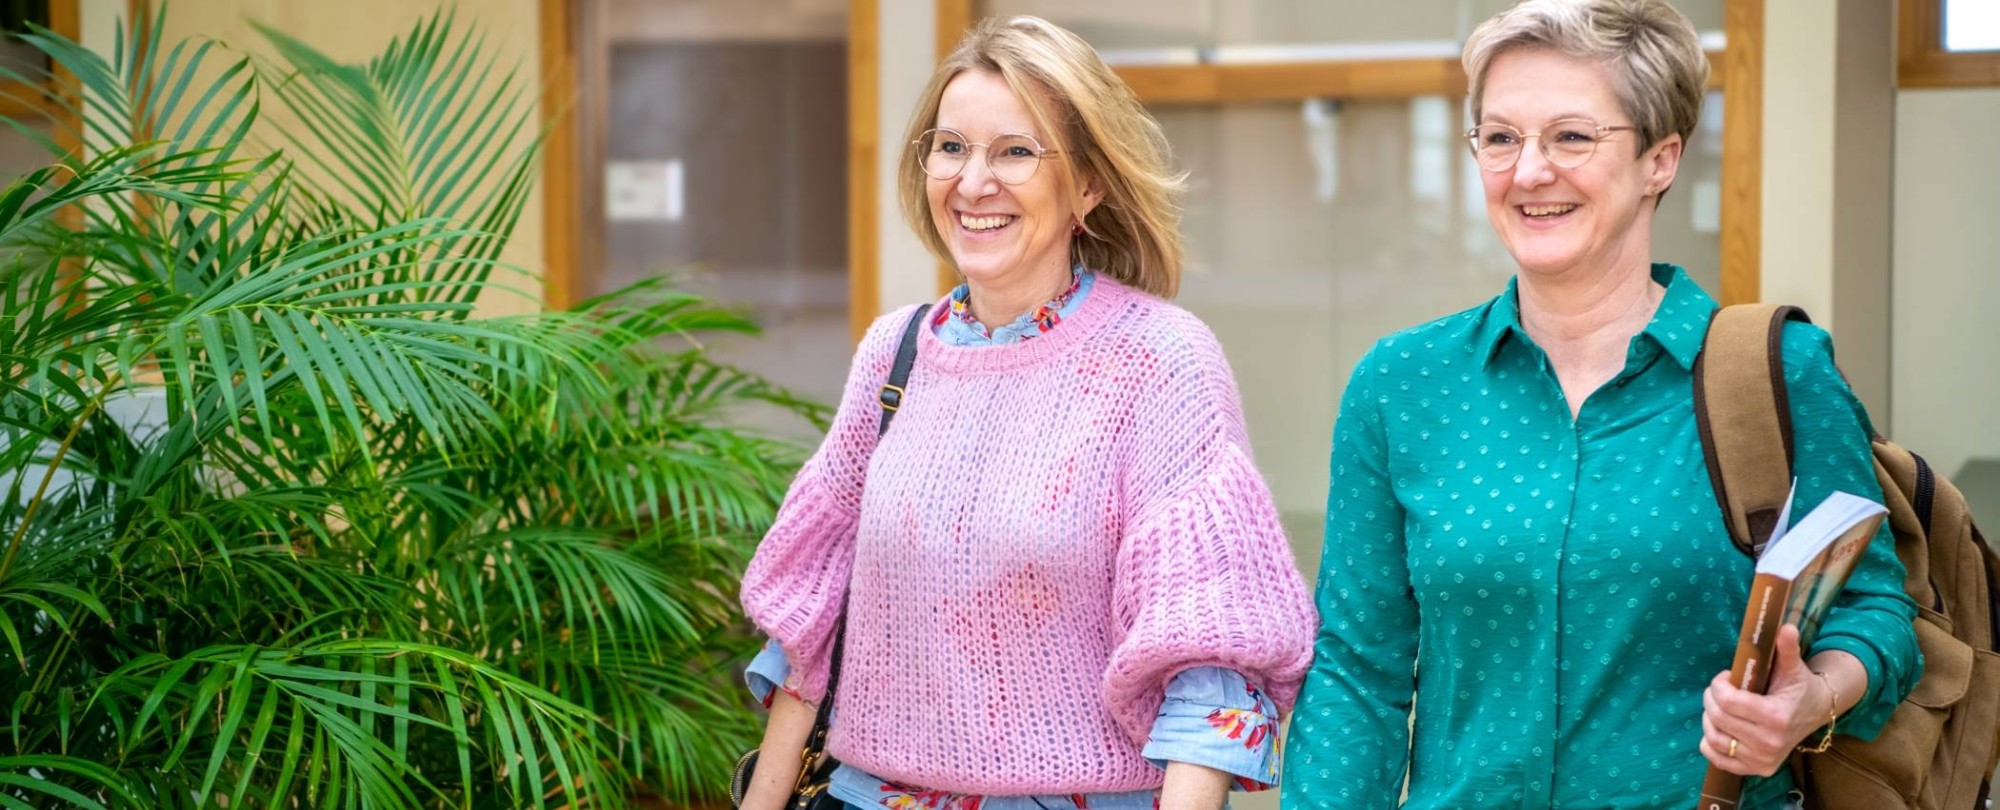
(778, 757)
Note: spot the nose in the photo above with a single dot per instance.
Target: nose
(975, 179)
(1533, 169)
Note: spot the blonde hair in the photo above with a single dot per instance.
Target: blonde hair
(1658, 69)
(1104, 137)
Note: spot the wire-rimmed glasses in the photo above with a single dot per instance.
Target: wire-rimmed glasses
(1567, 143)
(1012, 157)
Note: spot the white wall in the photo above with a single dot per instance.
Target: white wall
(908, 55)
(1947, 279)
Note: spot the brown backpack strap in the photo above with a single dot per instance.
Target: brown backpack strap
(1745, 418)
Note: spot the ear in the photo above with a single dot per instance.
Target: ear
(1662, 162)
(1088, 195)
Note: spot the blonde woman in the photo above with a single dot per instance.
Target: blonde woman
(1065, 584)
(1522, 541)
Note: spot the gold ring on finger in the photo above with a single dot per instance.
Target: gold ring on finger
(1732, 748)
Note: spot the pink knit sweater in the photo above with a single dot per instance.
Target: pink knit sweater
(1050, 531)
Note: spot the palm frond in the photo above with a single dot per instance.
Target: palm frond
(284, 522)
(433, 128)
(79, 782)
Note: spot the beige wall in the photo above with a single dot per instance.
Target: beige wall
(354, 30)
(909, 53)
(1829, 85)
(1947, 280)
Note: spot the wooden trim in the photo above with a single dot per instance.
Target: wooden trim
(1172, 84)
(953, 18)
(66, 19)
(1297, 81)
(145, 124)
(560, 212)
(1743, 152)
(25, 99)
(1921, 58)
(1294, 81)
(1386, 78)
(22, 100)
(864, 68)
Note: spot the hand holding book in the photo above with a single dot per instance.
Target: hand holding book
(1767, 727)
(1770, 699)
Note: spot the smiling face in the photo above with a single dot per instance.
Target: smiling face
(1589, 219)
(999, 234)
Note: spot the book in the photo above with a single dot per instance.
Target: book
(1801, 572)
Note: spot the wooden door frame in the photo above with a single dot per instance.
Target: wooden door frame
(1921, 58)
(23, 100)
(576, 94)
(1742, 152)
(864, 138)
(562, 211)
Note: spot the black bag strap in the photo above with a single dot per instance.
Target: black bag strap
(1744, 417)
(892, 396)
(899, 371)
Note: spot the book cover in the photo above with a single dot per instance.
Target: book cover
(1801, 572)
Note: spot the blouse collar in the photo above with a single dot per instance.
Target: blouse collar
(955, 324)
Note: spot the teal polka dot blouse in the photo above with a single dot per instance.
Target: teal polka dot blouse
(1520, 609)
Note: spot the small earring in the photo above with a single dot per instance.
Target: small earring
(1076, 226)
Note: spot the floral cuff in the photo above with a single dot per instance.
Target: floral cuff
(1214, 718)
(769, 672)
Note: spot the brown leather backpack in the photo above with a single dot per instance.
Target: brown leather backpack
(1938, 750)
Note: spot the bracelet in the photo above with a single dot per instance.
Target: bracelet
(1832, 714)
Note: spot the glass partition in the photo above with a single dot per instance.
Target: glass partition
(1126, 31)
(724, 145)
(1172, 31)
(1316, 227)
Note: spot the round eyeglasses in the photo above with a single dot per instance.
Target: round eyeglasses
(1012, 158)
(1567, 143)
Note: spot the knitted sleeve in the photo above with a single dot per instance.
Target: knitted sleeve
(1350, 737)
(795, 584)
(1203, 575)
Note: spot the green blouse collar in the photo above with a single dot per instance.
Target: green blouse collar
(1677, 328)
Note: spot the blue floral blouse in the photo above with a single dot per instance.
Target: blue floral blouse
(1211, 716)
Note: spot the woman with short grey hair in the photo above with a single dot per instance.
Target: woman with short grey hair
(1528, 596)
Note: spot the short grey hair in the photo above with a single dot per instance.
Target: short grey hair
(1658, 69)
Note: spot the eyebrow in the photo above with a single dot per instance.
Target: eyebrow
(1561, 116)
(961, 131)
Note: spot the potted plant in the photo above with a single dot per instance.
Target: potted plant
(287, 522)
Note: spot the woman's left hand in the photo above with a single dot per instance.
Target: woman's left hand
(1751, 734)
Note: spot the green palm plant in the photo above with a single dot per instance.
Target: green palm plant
(286, 523)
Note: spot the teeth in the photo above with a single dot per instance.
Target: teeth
(1547, 210)
(982, 223)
